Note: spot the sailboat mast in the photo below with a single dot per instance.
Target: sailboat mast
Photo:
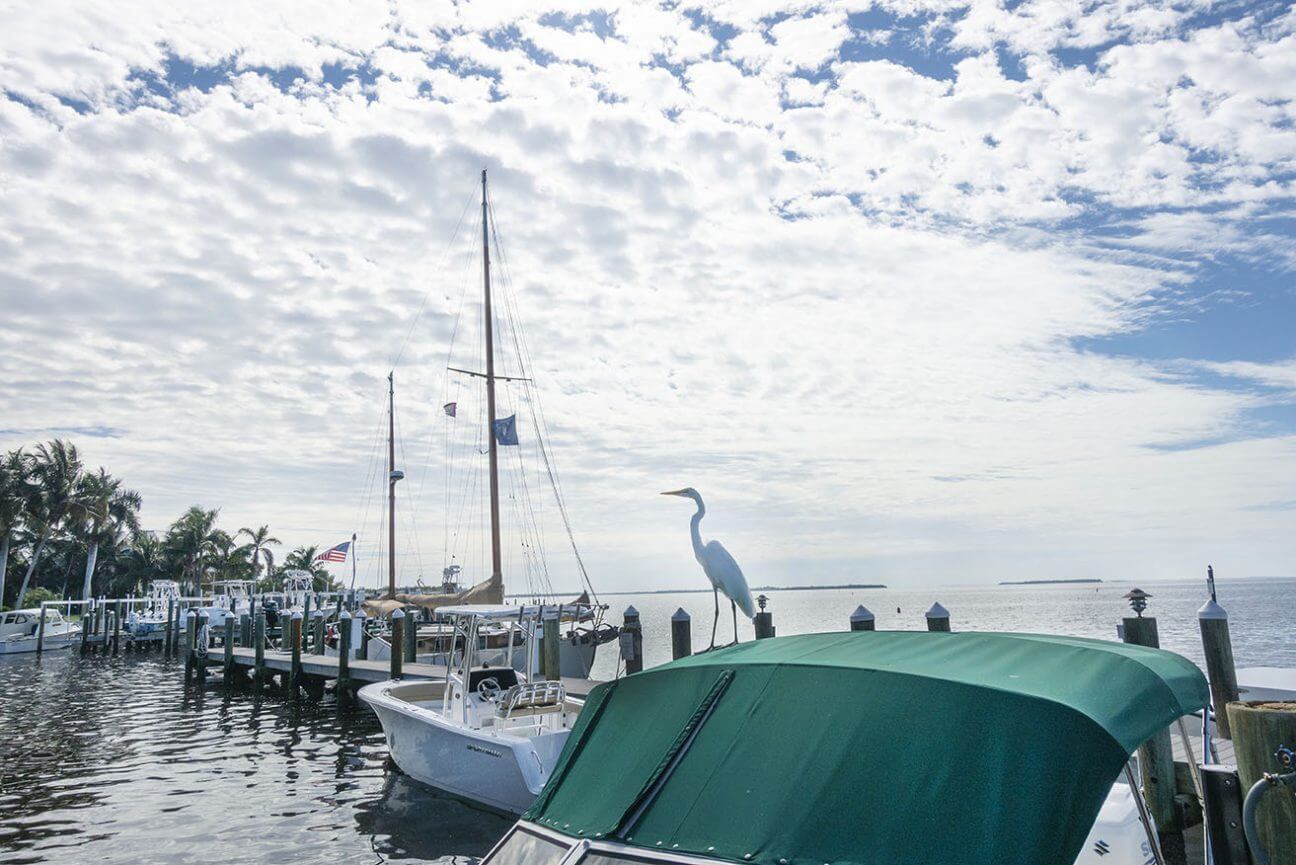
(391, 484)
(496, 571)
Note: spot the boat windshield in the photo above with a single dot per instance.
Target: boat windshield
(522, 847)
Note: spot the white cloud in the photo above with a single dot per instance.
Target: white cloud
(865, 354)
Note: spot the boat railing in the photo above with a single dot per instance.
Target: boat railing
(531, 698)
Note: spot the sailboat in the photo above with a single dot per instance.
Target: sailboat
(492, 731)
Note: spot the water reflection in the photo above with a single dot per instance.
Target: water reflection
(112, 760)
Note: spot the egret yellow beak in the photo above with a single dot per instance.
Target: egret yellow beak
(674, 493)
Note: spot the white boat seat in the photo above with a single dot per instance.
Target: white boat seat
(531, 698)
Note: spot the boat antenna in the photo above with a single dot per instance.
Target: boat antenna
(497, 576)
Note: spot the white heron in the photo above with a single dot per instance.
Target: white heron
(720, 568)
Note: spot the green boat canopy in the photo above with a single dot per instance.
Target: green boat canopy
(879, 748)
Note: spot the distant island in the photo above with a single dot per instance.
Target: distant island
(1045, 582)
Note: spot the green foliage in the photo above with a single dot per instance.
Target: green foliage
(35, 596)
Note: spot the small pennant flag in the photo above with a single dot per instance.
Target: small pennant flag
(451, 408)
(506, 430)
(335, 554)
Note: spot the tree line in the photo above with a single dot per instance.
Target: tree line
(70, 532)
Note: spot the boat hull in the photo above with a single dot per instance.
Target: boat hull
(52, 642)
(502, 772)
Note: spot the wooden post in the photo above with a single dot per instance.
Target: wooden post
(202, 641)
(258, 643)
(1156, 759)
(632, 640)
(191, 625)
(1218, 648)
(116, 620)
(397, 641)
(938, 618)
(229, 649)
(306, 608)
(411, 638)
(294, 632)
(168, 630)
(1259, 730)
(862, 619)
(317, 639)
(87, 619)
(245, 630)
(344, 653)
(363, 654)
(552, 647)
(681, 635)
(40, 630)
(764, 621)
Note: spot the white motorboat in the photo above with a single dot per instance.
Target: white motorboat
(231, 598)
(19, 631)
(489, 734)
(148, 619)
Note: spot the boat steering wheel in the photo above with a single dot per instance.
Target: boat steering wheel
(489, 688)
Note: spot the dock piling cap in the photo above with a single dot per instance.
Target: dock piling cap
(1212, 610)
(937, 612)
(345, 615)
(862, 614)
(630, 611)
(398, 614)
(297, 615)
(680, 616)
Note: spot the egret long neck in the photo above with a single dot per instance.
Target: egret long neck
(693, 528)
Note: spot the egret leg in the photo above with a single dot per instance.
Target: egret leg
(716, 620)
(734, 608)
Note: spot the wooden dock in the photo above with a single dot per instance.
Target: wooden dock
(360, 672)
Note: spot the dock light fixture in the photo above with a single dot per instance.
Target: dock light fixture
(761, 601)
(1137, 600)
(395, 475)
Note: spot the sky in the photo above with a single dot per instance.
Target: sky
(920, 292)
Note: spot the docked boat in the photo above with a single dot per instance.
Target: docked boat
(490, 733)
(20, 631)
(147, 619)
(905, 748)
(230, 598)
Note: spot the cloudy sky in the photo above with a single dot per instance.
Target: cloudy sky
(914, 291)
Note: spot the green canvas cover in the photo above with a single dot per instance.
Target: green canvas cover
(879, 748)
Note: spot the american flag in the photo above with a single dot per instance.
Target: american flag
(335, 554)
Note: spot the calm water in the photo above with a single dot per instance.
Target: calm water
(111, 760)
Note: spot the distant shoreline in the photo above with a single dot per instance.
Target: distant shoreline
(1047, 582)
(704, 591)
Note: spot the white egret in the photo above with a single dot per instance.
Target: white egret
(720, 568)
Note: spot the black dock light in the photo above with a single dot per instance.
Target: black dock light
(1137, 600)
(761, 601)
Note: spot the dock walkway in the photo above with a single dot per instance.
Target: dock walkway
(358, 671)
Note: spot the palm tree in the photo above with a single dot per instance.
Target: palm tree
(56, 497)
(144, 560)
(111, 511)
(13, 498)
(260, 542)
(191, 540)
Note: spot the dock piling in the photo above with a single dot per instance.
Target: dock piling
(168, 632)
(258, 644)
(202, 641)
(344, 653)
(40, 630)
(1217, 646)
(294, 631)
(681, 634)
(1156, 756)
(317, 638)
(191, 626)
(117, 624)
(245, 630)
(363, 653)
(552, 648)
(229, 649)
(397, 641)
(410, 642)
(763, 622)
(87, 618)
(632, 640)
(863, 619)
(938, 618)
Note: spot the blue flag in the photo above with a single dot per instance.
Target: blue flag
(506, 430)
